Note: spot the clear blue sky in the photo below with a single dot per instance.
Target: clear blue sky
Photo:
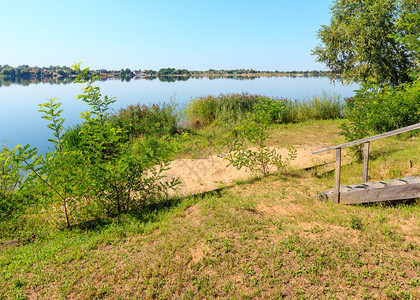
(152, 34)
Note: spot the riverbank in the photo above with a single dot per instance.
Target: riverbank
(257, 238)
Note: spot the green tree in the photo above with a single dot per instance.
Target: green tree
(410, 26)
(15, 188)
(254, 132)
(361, 41)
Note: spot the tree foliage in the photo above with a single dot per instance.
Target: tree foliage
(15, 187)
(410, 36)
(95, 171)
(172, 71)
(254, 132)
(365, 39)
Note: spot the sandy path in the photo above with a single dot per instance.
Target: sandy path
(206, 174)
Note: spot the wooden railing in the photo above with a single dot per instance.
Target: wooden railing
(366, 141)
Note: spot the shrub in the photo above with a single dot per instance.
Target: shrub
(124, 178)
(225, 109)
(95, 170)
(377, 109)
(324, 107)
(201, 112)
(230, 110)
(14, 183)
(392, 108)
(156, 120)
(253, 132)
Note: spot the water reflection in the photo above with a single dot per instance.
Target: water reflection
(8, 81)
(173, 78)
(21, 123)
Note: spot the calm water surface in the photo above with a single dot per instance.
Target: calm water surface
(21, 123)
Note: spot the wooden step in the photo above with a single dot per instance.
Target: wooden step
(375, 191)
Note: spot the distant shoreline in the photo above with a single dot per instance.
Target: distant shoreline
(25, 72)
(6, 81)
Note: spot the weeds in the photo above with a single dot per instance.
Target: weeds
(94, 170)
(355, 222)
(253, 132)
(154, 120)
(15, 185)
(232, 109)
(378, 109)
(225, 110)
(256, 239)
(324, 107)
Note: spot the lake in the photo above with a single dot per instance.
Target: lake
(21, 123)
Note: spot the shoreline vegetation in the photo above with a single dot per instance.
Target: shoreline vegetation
(95, 219)
(25, 74)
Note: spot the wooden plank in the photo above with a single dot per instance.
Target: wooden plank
(387, 193)
(356, 192)
(372, 138)
(366, 162)
(336, 196)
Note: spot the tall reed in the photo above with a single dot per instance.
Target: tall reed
(230, 109)
(155, 119)
(326, 106)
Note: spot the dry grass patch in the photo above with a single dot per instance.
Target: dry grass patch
(263, 238)
(274, 242)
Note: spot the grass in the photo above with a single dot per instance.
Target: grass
(229, 110)
(226, 110)
(210, 140)
(324, 107)
(264, 238)
(156, 119)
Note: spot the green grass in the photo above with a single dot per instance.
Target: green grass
(263, 238)
(229, 110)
(210, 140)
(156, 119)
(324, 107)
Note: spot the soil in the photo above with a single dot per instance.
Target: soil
(210, 173)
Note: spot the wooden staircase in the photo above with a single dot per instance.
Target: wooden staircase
(387, 190)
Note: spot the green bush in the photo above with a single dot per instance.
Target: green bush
(382, 109)
(324, 107)
(94, 170)
(254, 132)
(392, 108)
(224, 110)
(230, 110)
(122, 176)
(15, 185)
(201, 112)
(377, 109)
(155, 120)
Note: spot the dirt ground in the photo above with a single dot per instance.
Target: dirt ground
(206, 174)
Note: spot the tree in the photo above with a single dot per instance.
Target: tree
(362, 41)
(410, 26)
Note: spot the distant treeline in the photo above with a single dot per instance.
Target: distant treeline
(25, 71)
(251, 72)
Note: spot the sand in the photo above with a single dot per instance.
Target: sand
(210, 173)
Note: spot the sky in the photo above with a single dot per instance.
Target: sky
(153, 34)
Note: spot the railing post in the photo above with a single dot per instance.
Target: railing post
(336, 195)
(366, 162)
